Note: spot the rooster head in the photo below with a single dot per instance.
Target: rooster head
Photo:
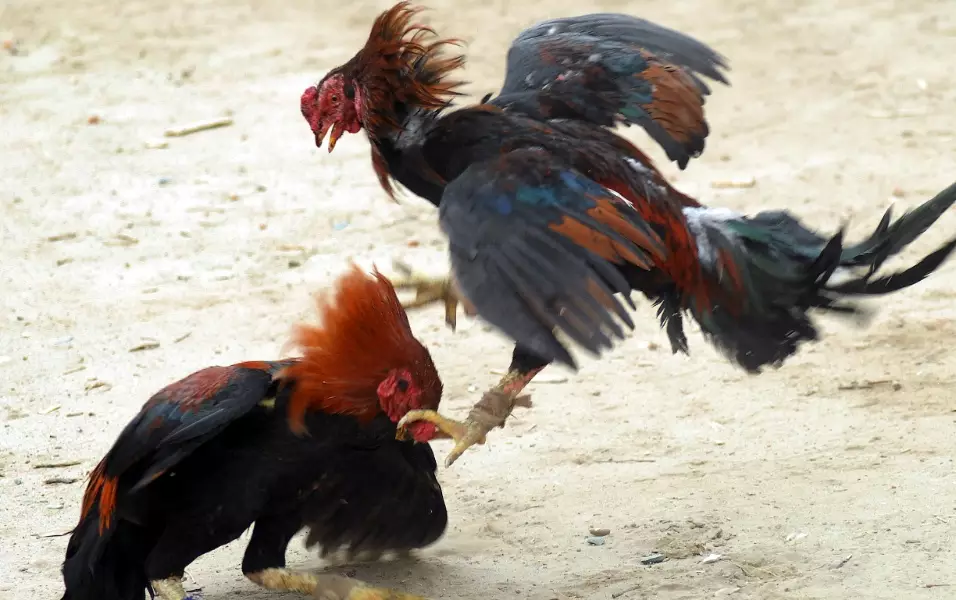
(362, 359)
(401, 64)
(334, 104)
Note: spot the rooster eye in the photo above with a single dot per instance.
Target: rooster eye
(402, 385)
(335, 98)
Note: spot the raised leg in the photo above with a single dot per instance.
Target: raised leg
(430, 289)
(491, 411)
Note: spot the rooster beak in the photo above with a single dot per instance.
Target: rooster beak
(337, 131)
(320, 132)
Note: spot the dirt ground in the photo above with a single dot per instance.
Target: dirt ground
(129, 260)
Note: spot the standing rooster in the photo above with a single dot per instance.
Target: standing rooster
(307, 442)
(549, 214)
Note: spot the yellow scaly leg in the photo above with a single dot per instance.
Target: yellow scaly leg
(324, 586)
(491, 411)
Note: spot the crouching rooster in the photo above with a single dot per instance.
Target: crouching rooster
(550, 215)
(304, 442)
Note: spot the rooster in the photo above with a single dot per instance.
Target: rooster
(303, 442)
(552, 218)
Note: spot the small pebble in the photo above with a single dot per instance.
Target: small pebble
(596, 541)
(599, 531)
(652, 559)
(164, 181)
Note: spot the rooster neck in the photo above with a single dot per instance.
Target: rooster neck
(411, 125)
(398, 153)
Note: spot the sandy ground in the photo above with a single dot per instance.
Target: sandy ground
(830, 478)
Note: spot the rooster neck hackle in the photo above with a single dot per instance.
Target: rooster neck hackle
(400, 68)
(363, 334)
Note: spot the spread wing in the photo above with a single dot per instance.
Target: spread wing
(535, 246)
(614, 68)
(184, 415)
(379, 499)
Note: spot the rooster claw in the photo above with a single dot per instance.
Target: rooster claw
(466, 434)
(368, 593)
(429, 289)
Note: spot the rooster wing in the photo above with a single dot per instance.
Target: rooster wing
(184, 415)
(534, 244)
(614, 68)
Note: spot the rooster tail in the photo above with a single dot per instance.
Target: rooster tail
(107, 565)
(763, 274)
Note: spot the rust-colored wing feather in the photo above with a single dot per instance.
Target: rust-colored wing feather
(536, 245)
(613, 68)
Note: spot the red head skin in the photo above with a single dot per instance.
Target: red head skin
(334, 104)
(397, 395)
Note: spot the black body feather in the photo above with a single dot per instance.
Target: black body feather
(354, 485)
(549, 214)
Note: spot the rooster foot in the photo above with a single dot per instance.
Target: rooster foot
(492, 411)
(429, 289)
(466, 434)
(171, 588)
(370, 593)
(324, 586)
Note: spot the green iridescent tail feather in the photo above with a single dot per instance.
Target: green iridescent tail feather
(766, 272)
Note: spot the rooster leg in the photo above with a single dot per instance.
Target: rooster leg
(430, 289)
(491, 411)
(171, 588)
(324, 587)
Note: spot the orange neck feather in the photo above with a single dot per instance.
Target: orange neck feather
(400, 66)
(364, 333)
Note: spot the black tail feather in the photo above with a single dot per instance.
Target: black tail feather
(891, 238)
(783, 270)
(899, 280)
